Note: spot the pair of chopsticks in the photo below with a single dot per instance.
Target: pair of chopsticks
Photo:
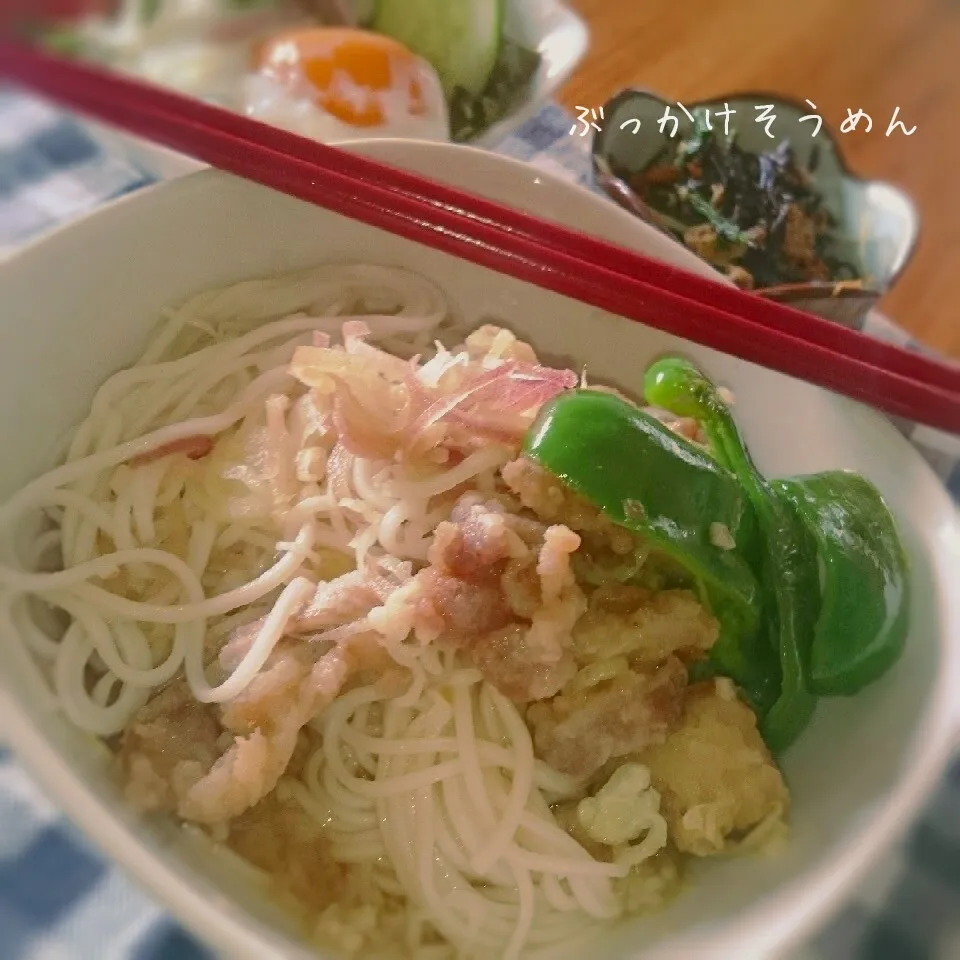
(503, 239)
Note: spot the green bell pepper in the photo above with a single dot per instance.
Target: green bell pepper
(646, 478)
(862, 626)
(831, 609)
(788, 560)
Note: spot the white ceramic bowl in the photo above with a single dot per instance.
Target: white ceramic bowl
(77, 305)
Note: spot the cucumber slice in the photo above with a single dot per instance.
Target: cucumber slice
(363, 9)
(460, 39)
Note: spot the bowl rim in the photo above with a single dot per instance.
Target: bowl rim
(779, 923)
(599, 138)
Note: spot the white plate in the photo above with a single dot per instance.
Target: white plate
(551, 27)
(858, 775)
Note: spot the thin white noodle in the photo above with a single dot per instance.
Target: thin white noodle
(45, 544)
(483, 459)
(201, 609)
(410, 764)
(288, 604)
(106, 641)
(432, 795)
(520, 787)
(80, 504)
(145, 490)
(208, 426)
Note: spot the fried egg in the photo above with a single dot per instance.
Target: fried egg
(340, 84)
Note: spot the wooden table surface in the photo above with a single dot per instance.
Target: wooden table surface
(873, 55)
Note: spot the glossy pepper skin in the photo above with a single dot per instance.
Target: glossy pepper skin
(645, 477)
(864, 614)
(788, 568)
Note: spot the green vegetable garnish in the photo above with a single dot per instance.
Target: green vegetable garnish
(788, 560)
(648, 479)
(508, 85)
(701, 134)
(864, 612)
(726, 229)
(484, 73)
(461, 40)
(806, 576)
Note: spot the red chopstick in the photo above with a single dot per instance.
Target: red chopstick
(508, 241)
(808, 327)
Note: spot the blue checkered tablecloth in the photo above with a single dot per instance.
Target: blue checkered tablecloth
(60, 901)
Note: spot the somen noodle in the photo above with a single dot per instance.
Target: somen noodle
(294, 572)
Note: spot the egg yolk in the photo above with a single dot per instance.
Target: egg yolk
(350, 73)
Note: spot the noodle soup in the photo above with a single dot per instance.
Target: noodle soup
(322, 604)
